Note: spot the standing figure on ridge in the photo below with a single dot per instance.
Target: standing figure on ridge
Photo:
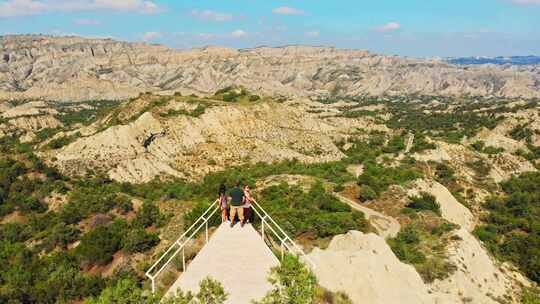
(222, 202)
(237, 199)
(248, 199)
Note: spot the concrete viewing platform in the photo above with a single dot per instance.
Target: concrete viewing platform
(236, 257)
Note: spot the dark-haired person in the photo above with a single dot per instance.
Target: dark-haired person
(236, 202)
(248, 200)
(222, 202)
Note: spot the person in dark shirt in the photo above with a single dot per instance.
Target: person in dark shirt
(236, 200)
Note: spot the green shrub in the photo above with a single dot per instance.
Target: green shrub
(394, 145)
(480, 167)
(379, 178)
(138, 240)
(425, 201)
(61, 235)
(99, 245)
(367, 193)
(315, 213)
(426, 252)
(148, 215)
(481, 147)
(478, 146)
(420, 144)
(521, 132)
(530, 296)
(14, 232)
(293, 283)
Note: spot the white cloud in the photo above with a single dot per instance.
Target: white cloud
(239, 34)
(526, 2)
(285, 10)
(21, 8)
(13, 8)
(87, 22)
(150, 36)
(313, 34)
(391, 26)
(209, 15)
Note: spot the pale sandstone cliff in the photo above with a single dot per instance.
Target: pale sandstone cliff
(72, 68)
(191, 147)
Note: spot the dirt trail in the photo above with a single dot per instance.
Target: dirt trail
(410, 141)
(387, 227)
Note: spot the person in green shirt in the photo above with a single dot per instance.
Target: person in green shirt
(236, 200)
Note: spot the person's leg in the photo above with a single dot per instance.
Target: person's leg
(223, 215)
(232, 214)
(241, 215)
(247, 214)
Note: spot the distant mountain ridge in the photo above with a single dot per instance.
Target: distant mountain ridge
(75, 69)
(499, 60)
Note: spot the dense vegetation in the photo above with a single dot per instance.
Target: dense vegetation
(512, 225)
(47, 249)
(235, 94)
(127, 291)
(377, 178)
(315, 213)
(38, 263)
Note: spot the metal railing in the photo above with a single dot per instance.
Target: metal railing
(267, 225)
(284, 241)
(180, 246)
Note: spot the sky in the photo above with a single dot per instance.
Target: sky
(416, 28)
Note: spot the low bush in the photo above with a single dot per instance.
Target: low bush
(424, 202)
(138, 240)
(99, 245)
(379, 178)
(292, 282)
(394, 145)
(424, 248)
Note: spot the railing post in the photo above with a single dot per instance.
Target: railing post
(183, 260)
(281, 249)
(262, 229)
(153, 286)
(206, 232)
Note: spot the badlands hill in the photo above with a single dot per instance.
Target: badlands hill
(73, 68)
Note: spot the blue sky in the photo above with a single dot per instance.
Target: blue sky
(419, 28)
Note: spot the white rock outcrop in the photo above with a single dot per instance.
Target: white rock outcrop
(191, 147)
(478, 278)
(452, 210)
(365, 268)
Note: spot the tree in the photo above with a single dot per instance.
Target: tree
(127, 291)
(99, 245)
(148, 215)
(293, 283)
(138, 240)
(211, 292)
(367, 193)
